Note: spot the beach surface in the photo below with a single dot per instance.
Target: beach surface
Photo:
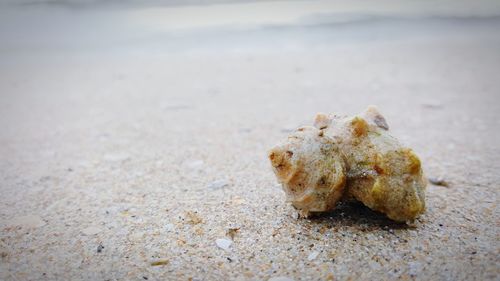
(134, 137)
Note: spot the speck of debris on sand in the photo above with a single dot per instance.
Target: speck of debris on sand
(3, 255)
(100, 248)
(193, 218)
(231, 232)
(438, 181)
(159, 262)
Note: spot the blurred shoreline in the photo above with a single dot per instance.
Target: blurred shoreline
(463, 7)
(169, 26)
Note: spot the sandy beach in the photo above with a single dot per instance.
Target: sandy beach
(134, 137)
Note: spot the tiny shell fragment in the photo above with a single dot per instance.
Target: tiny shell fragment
(345, 158)
(312, 256)
(223, 243)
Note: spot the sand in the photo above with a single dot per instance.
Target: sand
(137, 153)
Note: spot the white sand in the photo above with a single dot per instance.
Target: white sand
(127, 149)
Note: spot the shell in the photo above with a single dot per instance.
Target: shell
(350, 157)
(311, 170)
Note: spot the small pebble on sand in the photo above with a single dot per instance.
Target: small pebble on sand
(100, 248)
(159, 262)
(438, 181)
(223, 244)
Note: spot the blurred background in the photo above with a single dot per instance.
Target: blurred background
(118, 119)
